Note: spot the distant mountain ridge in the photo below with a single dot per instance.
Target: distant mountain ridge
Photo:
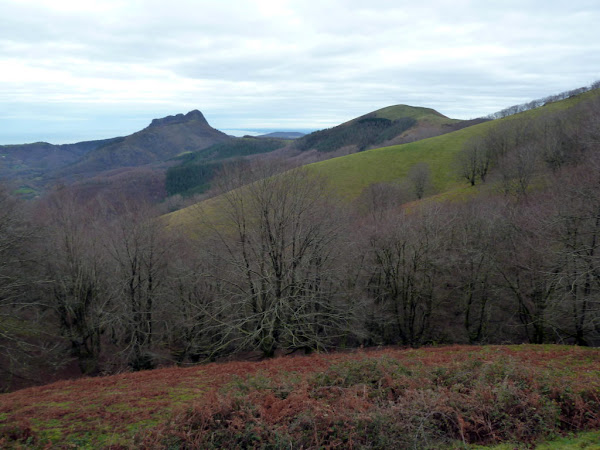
(34, 167)
(95, 165)
(23, 162)
(163, 139)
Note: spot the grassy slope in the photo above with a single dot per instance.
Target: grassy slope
(350, 175)
(98, 412)
(414, 112)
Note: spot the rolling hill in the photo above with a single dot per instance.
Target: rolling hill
(391, 125)
(27, 163)
(394, 124)
(349, 175)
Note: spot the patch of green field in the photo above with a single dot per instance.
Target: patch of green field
(350, 174)
(25, 190)
(589, 441)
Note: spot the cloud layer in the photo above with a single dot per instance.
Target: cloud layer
(75, 70)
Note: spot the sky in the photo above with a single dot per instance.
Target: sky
(80, 70)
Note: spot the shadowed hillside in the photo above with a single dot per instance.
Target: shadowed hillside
(28, 163)
(400, 123)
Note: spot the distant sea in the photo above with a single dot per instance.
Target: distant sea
(259, 131)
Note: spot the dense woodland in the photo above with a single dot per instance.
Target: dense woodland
(102, 286)
(197, 169)
(364, 132)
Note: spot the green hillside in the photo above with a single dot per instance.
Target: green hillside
(349, 175)
(375, 128)
(414, 112)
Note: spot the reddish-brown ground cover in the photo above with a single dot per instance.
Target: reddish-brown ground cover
(322, 399)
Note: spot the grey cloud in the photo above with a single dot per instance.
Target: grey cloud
(291, 62)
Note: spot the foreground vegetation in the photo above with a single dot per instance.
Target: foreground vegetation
(446, 397)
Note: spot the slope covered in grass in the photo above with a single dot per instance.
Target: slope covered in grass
(349, 175)
(387, 398)
(376, 128)
(414, 112)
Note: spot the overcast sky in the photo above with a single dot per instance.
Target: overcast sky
(80, 70)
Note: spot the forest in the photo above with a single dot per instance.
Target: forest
(103, 286)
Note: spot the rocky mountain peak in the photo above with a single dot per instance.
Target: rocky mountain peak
(194, 115)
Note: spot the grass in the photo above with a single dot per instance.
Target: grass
(25, 190)
(588, 440)
(446, 397)
(97, 411)
(349, 175)
(419, 113)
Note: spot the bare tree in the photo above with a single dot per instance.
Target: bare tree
(195, 312)
(380, 199)
(474, 160)
(20, 333)
(277, 247)
(576, 242)
(404, 275)
(13, 233)
(527, 269)
(518, 169)
(473, 255)
(75, 269)
(420, 177)
(139, 250)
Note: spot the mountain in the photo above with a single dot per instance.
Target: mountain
(106, 165)
(391, 125)
(387, 126)
(350, 175)
(162, 139)
(30, 161)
